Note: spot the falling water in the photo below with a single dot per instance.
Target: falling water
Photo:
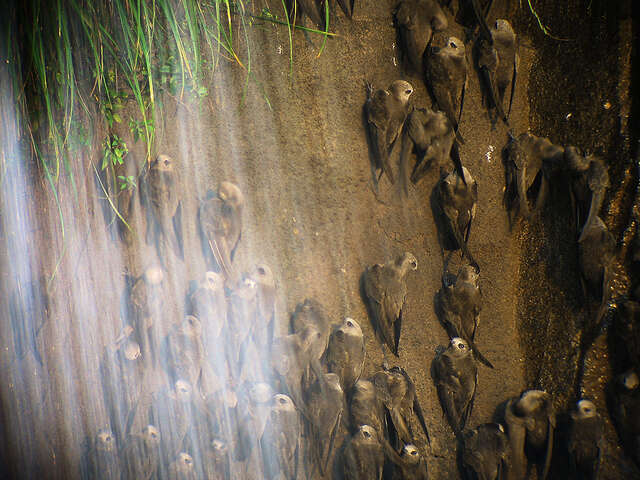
(122, 352)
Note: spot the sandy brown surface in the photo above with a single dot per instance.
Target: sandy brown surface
(312, 216)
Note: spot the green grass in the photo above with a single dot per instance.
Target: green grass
(130, 50)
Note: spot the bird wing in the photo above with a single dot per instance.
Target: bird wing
(377, 290)
(439, 80)
(448, 386)
(216, 228)
(469, 407)
(414, 404)
(451, 213)
(378, 118)
(415, 33)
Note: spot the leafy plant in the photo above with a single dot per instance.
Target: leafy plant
(127, 182)
(114, 151)
(138, 128)
(113, 100)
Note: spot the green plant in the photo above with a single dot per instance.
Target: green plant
(127, 182)
(118, 45)
(114, 150)
(139, 127)
(113, 101)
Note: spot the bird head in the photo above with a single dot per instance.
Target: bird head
(410, 453)
(182, 390)
(629, 380)
(163, 163)
(151, 435)
(153, 275)
(401, 91)
(105, 441)
(407, 261)
(503, 25)
(263, 275)
(230, 194)
(586, 409)
(132, 351)
(455, 47)
(213, 281)
(459, 347)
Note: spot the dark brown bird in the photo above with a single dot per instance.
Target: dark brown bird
(281, 442)
(530, 423)
(385, 292)
(311, 313)
(486, 452)
(458, 306)
(386, 112)
(364, 455)
(526, 181)
(345, 353)
(122, 372)
(589, 180)
(241, 321)
(597, 252)
(102, 460)
(220, 219)
(396, 391)
(415, 21)
(585, 441)
(456, 376)
(163, 198)
(497, 61)
(292, 356)
(173, 411)
(145, 303)
(266, 302)
(429, 134)
(142, 454)
(446, 76)
(209, 305)
(185, 352)
(325, 406)
(365, 408)
(456, 198)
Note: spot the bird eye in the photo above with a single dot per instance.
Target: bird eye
(367, 434)
(414, 452)
(187, 461)
(282, 401)
(461, 346)
(349, 323)
(153, 435)
(166, 162)
(408, 91)
(261, 271)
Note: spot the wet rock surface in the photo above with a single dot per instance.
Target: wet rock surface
(302, 161)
